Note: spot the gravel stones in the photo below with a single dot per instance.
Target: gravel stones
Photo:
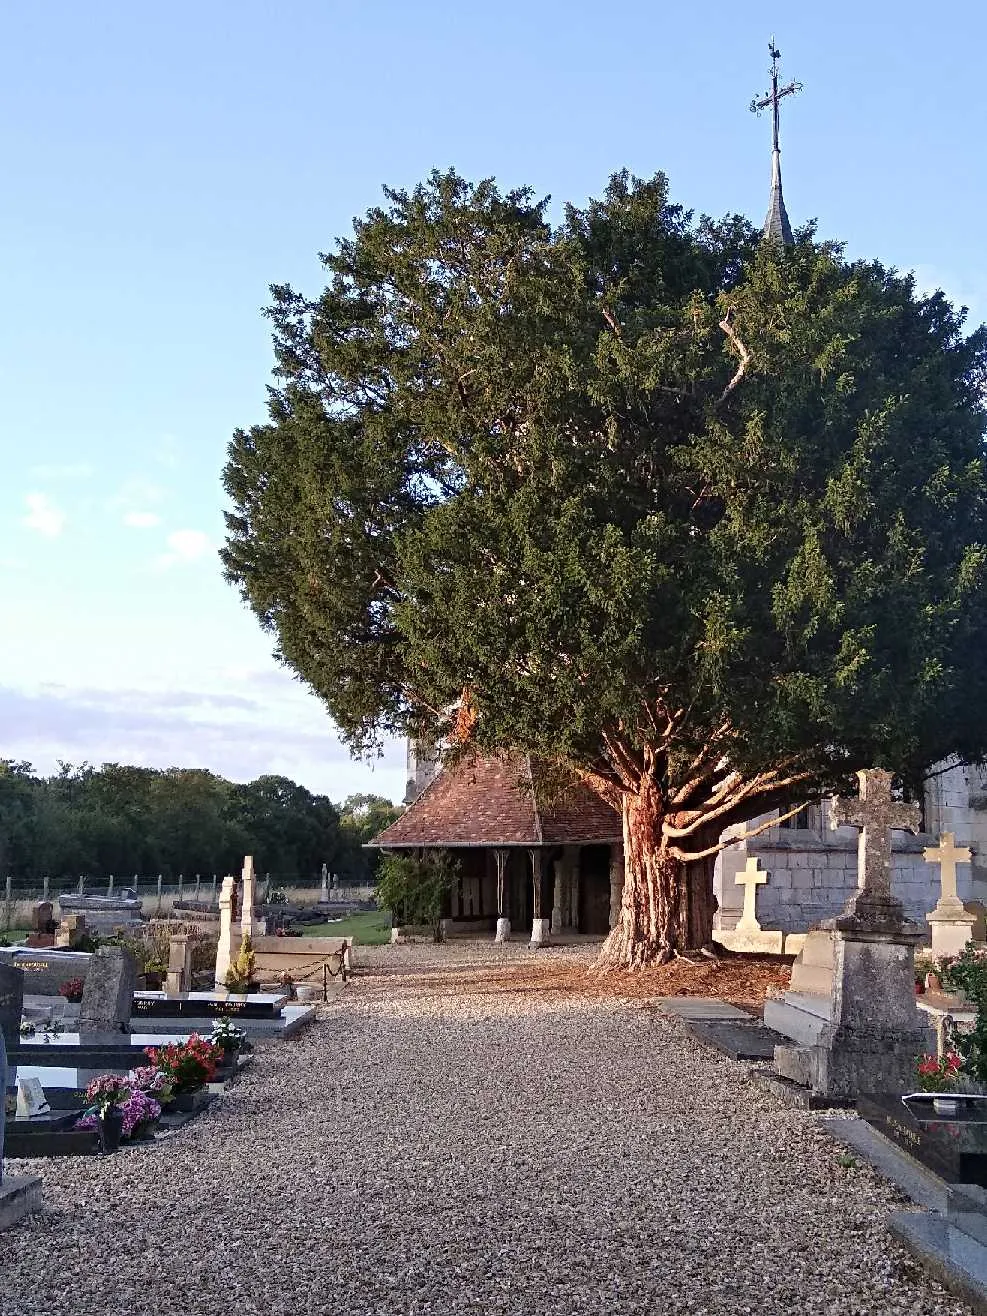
(450, 1138)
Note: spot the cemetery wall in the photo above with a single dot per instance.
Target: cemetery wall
(810, 879)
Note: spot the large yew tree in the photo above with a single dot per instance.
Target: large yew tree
(694, 515)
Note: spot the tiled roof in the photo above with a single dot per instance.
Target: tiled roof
(488, 800)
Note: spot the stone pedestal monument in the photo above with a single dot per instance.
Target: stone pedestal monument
(871, 1032)
(250, 922)
(224, 951)
(179, 978)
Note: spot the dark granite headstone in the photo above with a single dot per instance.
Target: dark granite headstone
(207, 1005)
(11, 1004)
(953, 1147)
(108, 994)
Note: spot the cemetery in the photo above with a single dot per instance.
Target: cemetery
(660, 539)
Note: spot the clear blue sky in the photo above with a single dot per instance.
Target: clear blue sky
(163, 164)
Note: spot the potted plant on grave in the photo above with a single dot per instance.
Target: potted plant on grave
(228, 1039)
(71, 989)
(190, 1065)
(940, 1075)
(154, 1083)
(287, 983)
(140, 1114)
(105, 1096)
(240, 974)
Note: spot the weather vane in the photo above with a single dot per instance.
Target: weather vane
(775, 96)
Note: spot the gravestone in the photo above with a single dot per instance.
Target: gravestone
(324, 889)
(42, 932)
(871, 1031)
(951, 923)
(108, 993)
(748, 935)
(46, 970)
(224, 950)
(11, 1004)
(179, 977)
(70, 931)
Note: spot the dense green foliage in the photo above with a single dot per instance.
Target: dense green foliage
(126, 820)
(414, 889)
(967, 972)
(700, 514)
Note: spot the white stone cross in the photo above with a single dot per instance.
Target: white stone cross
(750, 879)
(947, 854)
(876, 814)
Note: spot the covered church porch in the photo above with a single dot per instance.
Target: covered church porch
(530, 863)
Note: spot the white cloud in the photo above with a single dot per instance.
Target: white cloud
(185, 546)
(43, 515)
(68, 471)
(141, 520)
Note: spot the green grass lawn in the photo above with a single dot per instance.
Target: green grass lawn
(370, 929)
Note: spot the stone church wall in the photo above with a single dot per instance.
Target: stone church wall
(812, 869)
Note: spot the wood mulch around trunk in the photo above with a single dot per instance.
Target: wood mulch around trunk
(743, 981)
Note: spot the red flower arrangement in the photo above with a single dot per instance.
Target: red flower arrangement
(190, 1064)
(938, 1075)
(71, 989)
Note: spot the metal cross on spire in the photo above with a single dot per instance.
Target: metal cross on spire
(776, 225)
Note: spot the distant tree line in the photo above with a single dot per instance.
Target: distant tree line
(125, 820)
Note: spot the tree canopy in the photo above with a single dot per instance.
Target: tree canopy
(698, 515)
(123, 820)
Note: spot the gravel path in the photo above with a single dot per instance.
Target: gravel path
(445, 1140)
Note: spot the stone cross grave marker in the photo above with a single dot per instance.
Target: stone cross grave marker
(876, 814)
(224, 951)
(947, 854)
(952, 925)
(750, 879)
(108, 992)
(324, 891)
(11, 1004)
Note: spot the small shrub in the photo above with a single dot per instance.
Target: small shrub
(414, 889)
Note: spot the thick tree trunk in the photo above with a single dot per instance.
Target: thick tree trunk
(666, 906)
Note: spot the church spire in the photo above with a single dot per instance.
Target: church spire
(776, 225)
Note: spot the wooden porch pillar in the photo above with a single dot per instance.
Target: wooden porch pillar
(501, 858)
(540, 927)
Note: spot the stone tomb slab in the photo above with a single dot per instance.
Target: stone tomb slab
(736, 1038)
(208, 1005)
(19, 1197)
(700, 1007)
(953, 1147)
(102, 1051)
(49, 1135)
